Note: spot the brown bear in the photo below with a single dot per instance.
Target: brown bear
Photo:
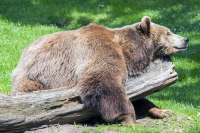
(97, 60)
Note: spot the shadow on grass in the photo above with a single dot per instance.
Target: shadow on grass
(187, 94)
(78, 13)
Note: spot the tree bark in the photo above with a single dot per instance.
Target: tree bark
(63, 105)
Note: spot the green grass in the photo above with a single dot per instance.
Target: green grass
(23, 21)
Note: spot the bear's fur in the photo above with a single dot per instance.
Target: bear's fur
(98, 60)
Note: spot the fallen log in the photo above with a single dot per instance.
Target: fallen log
(64, 105)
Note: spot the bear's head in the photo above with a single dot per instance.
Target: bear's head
(164, 41)
(144, 41)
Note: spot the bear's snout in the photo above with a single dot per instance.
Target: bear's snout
(181, 46)
(186, 40)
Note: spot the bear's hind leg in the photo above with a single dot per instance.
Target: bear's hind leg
(24, 85)
(144, 106)
(108, 97)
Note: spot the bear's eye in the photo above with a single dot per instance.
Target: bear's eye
(168, 33)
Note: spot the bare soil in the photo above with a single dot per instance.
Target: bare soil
(170, 124)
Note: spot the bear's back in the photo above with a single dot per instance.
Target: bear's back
(55, 60)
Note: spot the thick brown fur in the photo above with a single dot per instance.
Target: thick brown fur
(96, 59)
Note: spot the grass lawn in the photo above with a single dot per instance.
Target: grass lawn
(23, 21)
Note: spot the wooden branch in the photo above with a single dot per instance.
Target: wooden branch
(64, 105)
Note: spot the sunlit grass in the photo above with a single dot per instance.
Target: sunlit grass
(23, 21)
(14, 38)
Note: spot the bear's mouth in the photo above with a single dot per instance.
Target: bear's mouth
(180, 48)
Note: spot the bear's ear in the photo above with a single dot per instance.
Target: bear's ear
(146, 24)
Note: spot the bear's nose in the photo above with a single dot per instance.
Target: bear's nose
(185, 39)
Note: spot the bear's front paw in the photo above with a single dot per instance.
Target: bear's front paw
(160, 113)
(131, 122)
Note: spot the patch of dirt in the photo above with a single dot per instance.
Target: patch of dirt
(171, 124)
(66, 128)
